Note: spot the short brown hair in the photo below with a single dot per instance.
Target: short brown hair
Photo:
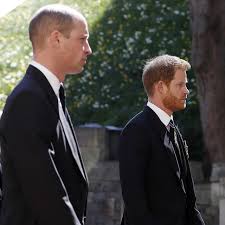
(49, 18)
(161, 68)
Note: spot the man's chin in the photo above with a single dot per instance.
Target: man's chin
(76, 71)
(182, 107)
(178, 108)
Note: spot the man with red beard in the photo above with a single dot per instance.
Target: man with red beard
(155, 176)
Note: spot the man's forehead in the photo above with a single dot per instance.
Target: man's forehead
(79, 19)
(81, 28)
(180, 75)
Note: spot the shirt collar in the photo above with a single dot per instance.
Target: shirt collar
(52, 79)
(163, 116)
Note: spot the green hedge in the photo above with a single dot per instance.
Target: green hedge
(110, 89)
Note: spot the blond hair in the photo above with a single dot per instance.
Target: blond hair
(49, 18)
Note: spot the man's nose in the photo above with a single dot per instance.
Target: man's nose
(186, 90)
(88, 49)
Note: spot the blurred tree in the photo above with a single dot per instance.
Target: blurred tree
(208, 54)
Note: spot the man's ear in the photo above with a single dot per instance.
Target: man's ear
(55, 38)
(161, 87)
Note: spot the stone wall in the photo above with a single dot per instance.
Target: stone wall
(105, 201)
(98, 145)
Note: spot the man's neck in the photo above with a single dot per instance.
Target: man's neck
(160, 105)
(43, 60)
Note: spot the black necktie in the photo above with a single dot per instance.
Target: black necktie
(172, 130)
(177, 148)
(62, 97)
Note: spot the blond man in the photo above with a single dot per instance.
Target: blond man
(44, 180)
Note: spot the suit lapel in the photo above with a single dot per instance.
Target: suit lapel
(171, 154)
(162, 131)
(35, 74)
(79, 158)
(173, 159)
(182, 149)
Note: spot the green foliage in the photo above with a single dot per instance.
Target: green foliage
(110, 89)
(15, 47)
(14, 55)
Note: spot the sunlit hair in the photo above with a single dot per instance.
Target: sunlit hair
(49, 18)
(161, 68)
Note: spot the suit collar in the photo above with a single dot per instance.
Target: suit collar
(36, 75)
(154, 120)
(52, 78)
(163, 116)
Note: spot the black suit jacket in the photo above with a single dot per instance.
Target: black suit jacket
(42, 182)
(0, 182)
(153, 190)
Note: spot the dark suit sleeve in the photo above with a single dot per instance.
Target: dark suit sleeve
(196, 218)
(0, 182)
(134, 153)
(27, 140)
(194, 215)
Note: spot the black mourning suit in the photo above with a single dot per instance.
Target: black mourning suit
(156, 188)
(0, 182)
(42, 182)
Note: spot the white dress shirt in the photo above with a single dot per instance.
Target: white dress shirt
(163, 116)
